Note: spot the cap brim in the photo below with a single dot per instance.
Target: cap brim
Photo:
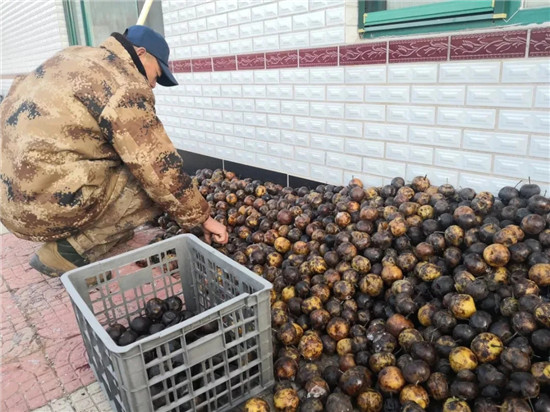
(167, 79)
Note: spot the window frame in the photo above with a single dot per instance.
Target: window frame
(467, 15)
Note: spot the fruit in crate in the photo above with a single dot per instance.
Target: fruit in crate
(256, 405)
(157, 315)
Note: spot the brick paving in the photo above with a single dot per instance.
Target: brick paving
(43, 363)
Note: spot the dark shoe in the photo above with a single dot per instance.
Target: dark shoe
(55, 258)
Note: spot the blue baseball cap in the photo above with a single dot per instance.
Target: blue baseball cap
(154, 43)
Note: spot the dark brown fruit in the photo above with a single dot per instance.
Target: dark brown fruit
(286, 400)
(338, 402)
(462, 358)
(416, 372)
(370, 401)
(331, 374)
(285, 368)
(416, 394)
(127, 337)
(391, 380)
(338, 328)
(540, 274)
(378, 361)
(355, 380)
(115, 331)
(312, 405)
(140, 325)
(306, 372)
(487, 347)
(438, 386)
(155, 307)
(256, 405)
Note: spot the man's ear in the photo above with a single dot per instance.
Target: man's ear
(141, 51)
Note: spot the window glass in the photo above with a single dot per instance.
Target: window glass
(154, 18)
(532, 4)
(90, 22)
(104, 17)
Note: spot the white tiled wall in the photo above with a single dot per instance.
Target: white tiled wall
(470, 133)
(203, 28)
(31, 32)
(477, 123)
(482, 124)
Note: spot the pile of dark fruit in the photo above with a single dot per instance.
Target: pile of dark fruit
(403, 297)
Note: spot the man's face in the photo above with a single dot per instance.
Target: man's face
(151, 65)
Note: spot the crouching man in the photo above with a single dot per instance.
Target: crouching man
(85, 159)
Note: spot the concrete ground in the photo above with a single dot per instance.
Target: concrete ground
(43, 362)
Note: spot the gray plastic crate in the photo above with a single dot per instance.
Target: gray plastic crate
(174, 370)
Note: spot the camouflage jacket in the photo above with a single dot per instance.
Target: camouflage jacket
(69, 128)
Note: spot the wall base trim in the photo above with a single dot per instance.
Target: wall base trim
(194, 161)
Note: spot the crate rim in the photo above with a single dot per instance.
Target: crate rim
(108, 341)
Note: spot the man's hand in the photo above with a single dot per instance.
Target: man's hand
(214, 230)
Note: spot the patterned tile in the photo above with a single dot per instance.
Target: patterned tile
(371, 53)
(48, 308)
(202, 65)
(540, 42)
(38, 321)
(28, 383)
(18, 336)
(70, 361)
(324, 56)
(224, 63)
(282, 59)
(181, 66)
(251, 61)
(418, 50)
(489, 45)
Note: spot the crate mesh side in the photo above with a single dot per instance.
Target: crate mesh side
(214, 284)
(112, 303)
(177, 372)
(100, 360)
(177, 380)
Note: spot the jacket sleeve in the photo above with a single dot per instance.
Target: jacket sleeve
(130, 124)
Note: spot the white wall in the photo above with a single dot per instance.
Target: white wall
(478, 123)
(209, 28)
(30, 32)
(472, 123)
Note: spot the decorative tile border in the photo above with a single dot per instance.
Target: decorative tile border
(224, 63)
(418, 50)
(202, 65)
(368, 53)
(282, 59)
(251, 61)
(326, 56)
(493, 45)
(540, 42)
(182, 66)
(499, 45)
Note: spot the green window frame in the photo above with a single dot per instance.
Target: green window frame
(375, 21)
